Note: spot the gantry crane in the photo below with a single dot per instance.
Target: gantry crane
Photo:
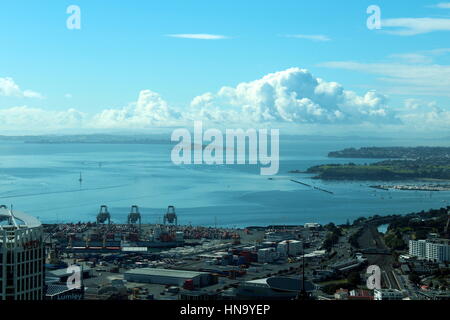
(171, 216)
(103, 215)
(134, 215)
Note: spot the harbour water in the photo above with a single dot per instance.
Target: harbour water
(43, 180)
(383, 228)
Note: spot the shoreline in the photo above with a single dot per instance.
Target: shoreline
(378, 219)
(409, 187)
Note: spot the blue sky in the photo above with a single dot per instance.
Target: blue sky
(124, 48)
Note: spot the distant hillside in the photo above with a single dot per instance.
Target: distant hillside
(405, 163)
(89, 139)
(393, 153)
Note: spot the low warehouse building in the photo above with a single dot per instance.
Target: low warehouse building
(167, 276)
(63, 274)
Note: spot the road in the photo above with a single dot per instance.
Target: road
(371, 238)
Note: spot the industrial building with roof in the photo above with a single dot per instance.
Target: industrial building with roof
(273, 288)
(167, 276)
(21, 256)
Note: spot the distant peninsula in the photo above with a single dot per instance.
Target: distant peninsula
(88, 139)
(392, 153)
(404, 163)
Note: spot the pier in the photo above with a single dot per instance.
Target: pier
(308, 185)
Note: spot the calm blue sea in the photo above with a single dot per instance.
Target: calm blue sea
(42, 179)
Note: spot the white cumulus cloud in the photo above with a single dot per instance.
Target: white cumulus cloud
(291, 98)
(425, 115)
(294, 96)
(27, 118)
(9, 88)
(149, 110)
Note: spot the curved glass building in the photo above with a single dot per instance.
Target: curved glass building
(22, 256)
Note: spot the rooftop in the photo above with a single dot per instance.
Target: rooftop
(65, 272)
(165, 272)
(258, 282)
(56, 289)
(16, 219)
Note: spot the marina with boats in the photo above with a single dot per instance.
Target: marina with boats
(414, 187)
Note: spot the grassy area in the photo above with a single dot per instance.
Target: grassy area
(334, 282)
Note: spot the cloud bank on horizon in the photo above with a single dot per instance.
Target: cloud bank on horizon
(292, 98)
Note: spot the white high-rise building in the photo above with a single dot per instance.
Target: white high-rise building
(437, 250)
(21, 256)
(417, 248)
